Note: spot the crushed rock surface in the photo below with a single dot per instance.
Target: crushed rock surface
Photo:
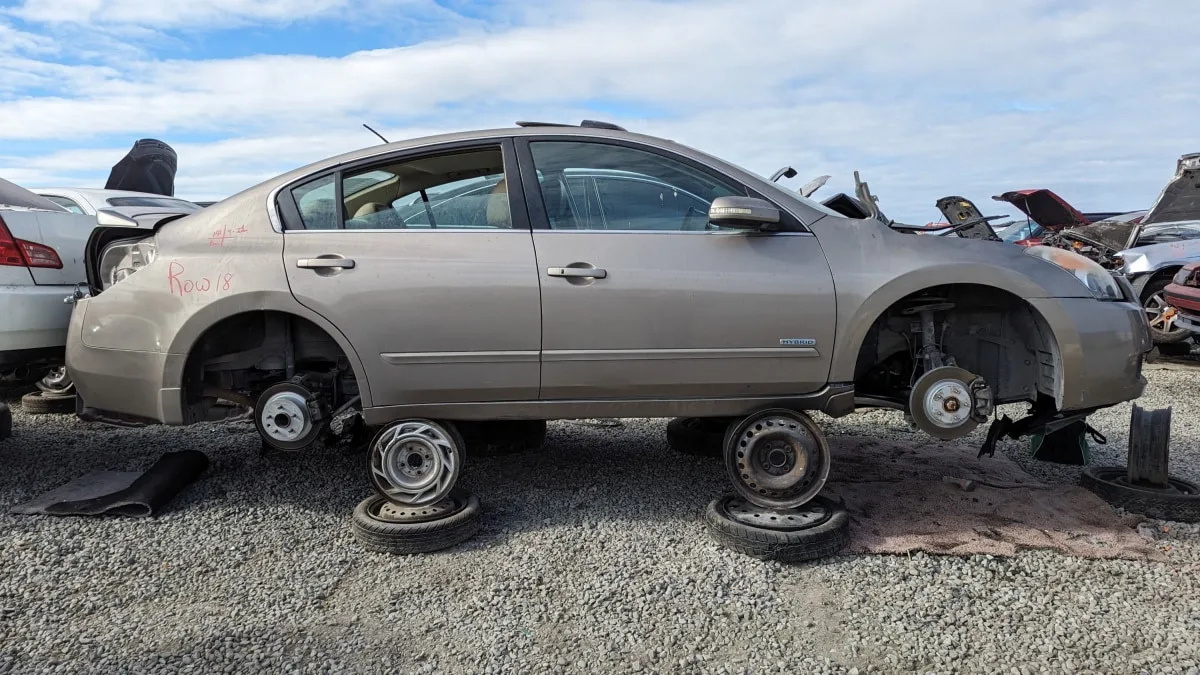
(592, 558)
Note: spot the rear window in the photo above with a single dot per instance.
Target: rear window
(159, 202)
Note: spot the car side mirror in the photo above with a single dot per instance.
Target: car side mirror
(743, 213)
(107, 218)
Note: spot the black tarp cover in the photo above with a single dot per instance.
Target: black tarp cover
(149, 166)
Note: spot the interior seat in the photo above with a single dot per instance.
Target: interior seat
(499, 213)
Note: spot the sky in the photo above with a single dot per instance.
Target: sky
(925, 98)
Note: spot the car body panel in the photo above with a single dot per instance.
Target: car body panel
(1168, 254)
(481, 286)
(33, 316)
(685, 314)
(416, 351)
(1183, 295)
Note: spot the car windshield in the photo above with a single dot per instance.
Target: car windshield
(158, 202)
(1021, 229)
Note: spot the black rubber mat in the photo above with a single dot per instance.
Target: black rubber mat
(121, 493)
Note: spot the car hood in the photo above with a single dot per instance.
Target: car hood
(12, 194)
(1044, 208)
(1180, 199)
(1153, 257)
(1110, 234)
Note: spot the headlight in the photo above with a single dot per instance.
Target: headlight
(121, 259)
(1088, 272)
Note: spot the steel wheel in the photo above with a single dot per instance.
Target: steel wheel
(777, 459)
(415, 462)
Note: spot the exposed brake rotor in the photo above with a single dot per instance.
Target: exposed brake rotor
(949, 402)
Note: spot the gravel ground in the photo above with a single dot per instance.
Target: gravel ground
(592, 558)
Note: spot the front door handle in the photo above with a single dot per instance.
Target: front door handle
(578, 272)
(320, 263)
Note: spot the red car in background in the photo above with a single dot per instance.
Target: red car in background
(1048, 212)
(1183, 298)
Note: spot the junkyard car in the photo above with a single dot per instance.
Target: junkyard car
(1183, 298)
(1150, 249)
(551, 271)
(137, 205)
(41, 259)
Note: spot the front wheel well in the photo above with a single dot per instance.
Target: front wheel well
(237, 358)
(988, 331)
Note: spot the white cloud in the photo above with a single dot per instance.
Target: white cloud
(198, 13)
(919, 95)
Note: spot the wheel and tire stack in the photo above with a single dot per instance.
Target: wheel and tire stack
(414, 466)
(778, 461)
(55, 395)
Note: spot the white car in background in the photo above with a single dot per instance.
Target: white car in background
(43, 234)
(41, 260)
(136, 205)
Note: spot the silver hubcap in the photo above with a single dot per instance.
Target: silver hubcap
(1156, 313)
(56, 377)
(285, 417)
(948, 404)
(779, 519)
(415, 463)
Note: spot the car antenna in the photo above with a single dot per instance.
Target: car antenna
(375, 132)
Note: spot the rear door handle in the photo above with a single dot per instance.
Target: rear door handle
(319, 263)
(578, 272)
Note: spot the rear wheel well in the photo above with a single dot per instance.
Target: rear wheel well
(987, 331)
(237, 358)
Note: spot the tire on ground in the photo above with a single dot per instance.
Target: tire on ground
(399, 538)
(39, 403)
(700, 436)
(820, 540)
(1180, 507)
(501, 437)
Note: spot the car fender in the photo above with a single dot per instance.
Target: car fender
(854, 328)
(282, 301)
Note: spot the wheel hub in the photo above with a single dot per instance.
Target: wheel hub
(948, 404)
(798, 518)
(285, 417)
(414, 463)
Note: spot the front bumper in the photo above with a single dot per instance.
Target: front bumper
(126, 382)
(1102, 346)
